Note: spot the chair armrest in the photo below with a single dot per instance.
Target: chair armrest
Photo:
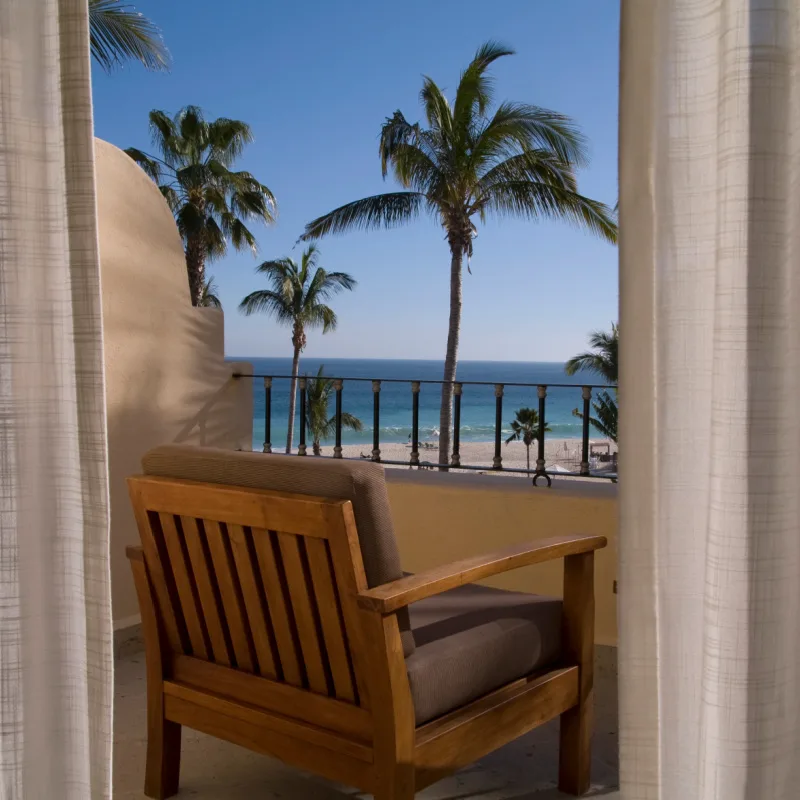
(134, 553)
(392, 596)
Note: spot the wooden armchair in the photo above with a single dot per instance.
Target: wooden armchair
(281, 621)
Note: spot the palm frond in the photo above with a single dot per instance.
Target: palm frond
(150, 165)
(378, 211)
(349, 421)
(603, 359)
(164, 136)
(278, 267)
(240, 235)
(320, 316)
(254, 203)
(214, 238)
(227, 139)
(266, 301)
(519, 126)
(541, 166)
(192, 128)
(210, 299)
(437, 109)
(324, 285)
(118, 32)
(171, 196)
(475, 88)
(605, 417)
(535, 200)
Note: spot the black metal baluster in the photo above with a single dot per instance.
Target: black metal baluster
(337, 450)
(456, 459)
(587, 396)
(497, 462)
(267, 415)
(301, 449)
(376, 420)
(414, 423)
(540, 461)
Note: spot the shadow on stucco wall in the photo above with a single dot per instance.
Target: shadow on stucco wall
(166, 377)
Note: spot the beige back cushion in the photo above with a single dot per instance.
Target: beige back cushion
(362, 483)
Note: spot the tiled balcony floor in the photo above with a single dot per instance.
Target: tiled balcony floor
(215, 770)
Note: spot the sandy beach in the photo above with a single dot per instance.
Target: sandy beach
(563, 453)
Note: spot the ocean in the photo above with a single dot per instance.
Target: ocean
(477, 404)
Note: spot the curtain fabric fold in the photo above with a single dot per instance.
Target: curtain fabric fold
(709, 598)
(55, 605)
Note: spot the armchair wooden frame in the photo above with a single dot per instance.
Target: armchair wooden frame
(259, 628)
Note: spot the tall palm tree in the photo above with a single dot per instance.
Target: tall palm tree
(320, 425)
(210, 201)
(297, 297)
(468, 164)
(602, 359)
(118, 32)
(210, 298)
(525, 426)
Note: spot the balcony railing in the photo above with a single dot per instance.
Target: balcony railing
(541, 471)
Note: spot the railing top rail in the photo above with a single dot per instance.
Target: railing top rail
(463, 383)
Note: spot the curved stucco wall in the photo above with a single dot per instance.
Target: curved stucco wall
(166, 380)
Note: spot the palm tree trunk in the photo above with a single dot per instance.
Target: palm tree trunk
(196, 269)
(293, 398)
(451, 357)
(528, 455)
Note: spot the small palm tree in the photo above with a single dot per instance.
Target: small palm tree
(602, 359)
(118, 32)
(210, 201)
(320, 425)
(209, 298)
(297, 297)
(526, 427)
(467, 165)
(604, 419)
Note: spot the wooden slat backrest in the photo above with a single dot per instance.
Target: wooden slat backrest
(262, 582)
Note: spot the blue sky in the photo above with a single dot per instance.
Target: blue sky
(315, 80)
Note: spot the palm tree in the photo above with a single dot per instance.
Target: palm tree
(119, 32)
(603, 359)
(296, 297)
(469, 164)
(526, 427)
(209, 298)
(320, 425)
(210, 201)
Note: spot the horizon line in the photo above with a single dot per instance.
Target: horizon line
(427, 360)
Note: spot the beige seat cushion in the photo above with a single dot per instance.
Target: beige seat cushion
(361, 482)
(473, 640)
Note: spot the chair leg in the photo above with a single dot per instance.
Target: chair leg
(575, 749)
(575, 754)
(400, 789)
(163, 768)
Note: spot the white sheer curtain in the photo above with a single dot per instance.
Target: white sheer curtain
(709, 597)
(55, 607)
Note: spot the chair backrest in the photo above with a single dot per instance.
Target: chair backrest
(361, 482)
(257, 580)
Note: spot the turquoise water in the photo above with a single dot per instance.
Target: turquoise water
(477, 405)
